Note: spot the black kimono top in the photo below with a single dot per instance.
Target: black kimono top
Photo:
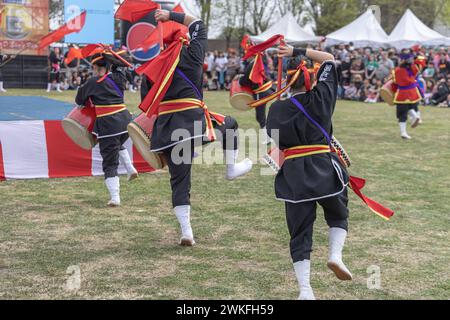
(108, 92)
(317, 176)
(191, 66)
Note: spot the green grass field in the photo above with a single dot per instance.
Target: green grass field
(242, 239)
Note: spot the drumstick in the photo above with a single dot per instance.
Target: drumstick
(12, 57)
(280, 69)
(161, 33)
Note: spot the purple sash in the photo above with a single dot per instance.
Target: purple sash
(302, 109)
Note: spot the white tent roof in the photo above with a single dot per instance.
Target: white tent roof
(410, 31)
(289, 28)
(365, 31)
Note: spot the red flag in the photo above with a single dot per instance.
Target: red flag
(74, 25)
(244, 43)
(258, 72)
(74, 53)
(134, 10)
(153, 39)
(83, 53)
(263, 46)
(91, 49)
(160, 72)
(165, 30)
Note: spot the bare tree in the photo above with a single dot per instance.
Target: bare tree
(205, 11)
(229, 10)
(260, 12)
(293, 6)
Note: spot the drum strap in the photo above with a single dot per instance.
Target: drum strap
(303, 110)
(185, 78)
(265, 87)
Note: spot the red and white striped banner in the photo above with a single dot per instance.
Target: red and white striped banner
(41, 149)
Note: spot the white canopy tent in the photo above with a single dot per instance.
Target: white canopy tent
(289, 28)
(365, 31)
(410, 31)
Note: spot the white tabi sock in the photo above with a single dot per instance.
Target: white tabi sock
(302, 272)
(125, 159)
(415, 119)
(1, 87)
(235, 170)
(420, 116)
(336, 243)
(403, 132)
(113, 185)
(183, 214)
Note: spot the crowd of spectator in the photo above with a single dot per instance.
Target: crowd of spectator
(71, 76)
(362, 72)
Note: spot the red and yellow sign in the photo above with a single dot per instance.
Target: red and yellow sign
(22, 24)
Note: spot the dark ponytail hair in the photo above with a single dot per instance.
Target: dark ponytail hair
(293, 64)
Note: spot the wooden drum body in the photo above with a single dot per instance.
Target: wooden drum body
(78, 125)
(140, 131)
(240, 97)
(387, 94)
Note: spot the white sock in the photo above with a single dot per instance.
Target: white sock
(336, 241)
(235, 170)
(58, 87)
(49, 87)
(113, 185)
(125, 159)
(403, 130)
(130, 87)
(1, 87)
(413, 115)
(183, 214)
(302, 272)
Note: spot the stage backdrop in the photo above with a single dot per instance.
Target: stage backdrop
(99, 27)
(22, 24)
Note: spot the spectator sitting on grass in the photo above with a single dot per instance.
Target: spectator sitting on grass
(442, 92)
(351, 92)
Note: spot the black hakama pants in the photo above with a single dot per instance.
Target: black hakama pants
(300, 219)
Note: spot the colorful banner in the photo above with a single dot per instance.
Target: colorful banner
(99, 26)
(22, 24)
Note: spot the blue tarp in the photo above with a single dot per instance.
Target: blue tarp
(14, 108)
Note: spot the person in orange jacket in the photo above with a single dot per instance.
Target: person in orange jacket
(407, 91)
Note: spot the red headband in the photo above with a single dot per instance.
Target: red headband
(306, 74)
